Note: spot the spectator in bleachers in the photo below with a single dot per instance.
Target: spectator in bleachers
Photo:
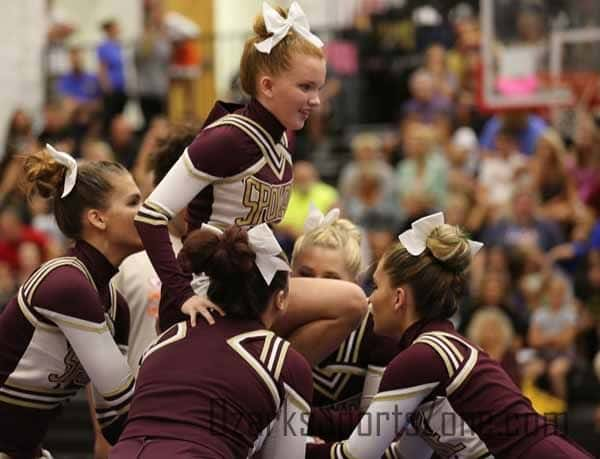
(366, 149)
(523, 227)
(491, 329)
(58, 128)
(78, 85)
(381, 232)
(462, 154)
(445, 82)
(551, 178)
(8, 284)
(307, 189)
(13, 233)
(587, 291)
(97, 150)
(421, 177)
(43, 220)
(370, 191)
(111, 72)
(152, 57)
(552, 333)
(19, 137)
(585, 162)
(123, 141)
(426, 105)
(500, 171)
(527, 128)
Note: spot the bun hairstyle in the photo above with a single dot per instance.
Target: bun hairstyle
(342, 235)
(236, 284)
(438, 276)
(253, 62)
(46, 177)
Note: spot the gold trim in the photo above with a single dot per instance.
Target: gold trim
(464, 373)
(121, 390)
(452, 347)
(114, 417)
(437, 348)
(279, 366)
(438, 339)
(359, 338)
(278, 344)
(156, 207)
(150, 214)
(189, 165)
(137, 218)
(266, 348)
(345, 369)
(32, 319)
(382, 397)
(41, 390)
(346, 452)
(277, 162)
(54, 316)
(296, 399)
(23, 404)
(337, 391)
(235, 343)
(376, 370)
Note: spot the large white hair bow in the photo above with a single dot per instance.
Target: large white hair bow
(415, 239)
(315, 218)
(279, 27)
(69, 162)
(262, 241)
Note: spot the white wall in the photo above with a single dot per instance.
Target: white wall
(23, 29)
(233, 21)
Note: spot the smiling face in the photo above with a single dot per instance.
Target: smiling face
(294, 93)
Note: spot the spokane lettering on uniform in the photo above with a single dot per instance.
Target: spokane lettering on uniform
(266, 202)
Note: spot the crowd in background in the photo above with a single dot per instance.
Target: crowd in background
(399, 135)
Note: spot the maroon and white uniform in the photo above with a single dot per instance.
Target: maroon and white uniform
(66, 327)
(253, 393)
(454, 398)
(355, 368)
(237, 171)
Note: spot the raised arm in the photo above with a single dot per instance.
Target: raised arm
(320, 315)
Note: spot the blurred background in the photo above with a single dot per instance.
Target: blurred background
(487, 110)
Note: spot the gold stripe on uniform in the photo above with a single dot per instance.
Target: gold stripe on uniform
(266, 348)
(437, 348)
(279, 366)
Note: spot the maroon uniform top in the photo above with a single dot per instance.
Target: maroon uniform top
(341, 376)
(221, 387)
(64, 328)
(456, 398)
(237, 171)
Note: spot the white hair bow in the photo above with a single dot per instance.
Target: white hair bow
(315, 218)
(262, 241)
(279, 27)
(69, 162)
(415, 239)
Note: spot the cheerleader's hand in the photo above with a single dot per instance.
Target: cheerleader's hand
(200, 304)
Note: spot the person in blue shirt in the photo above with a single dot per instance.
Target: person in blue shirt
(111, 73)
(527, 128)
(79, 85)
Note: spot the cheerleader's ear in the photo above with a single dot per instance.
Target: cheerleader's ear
(265, 86)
